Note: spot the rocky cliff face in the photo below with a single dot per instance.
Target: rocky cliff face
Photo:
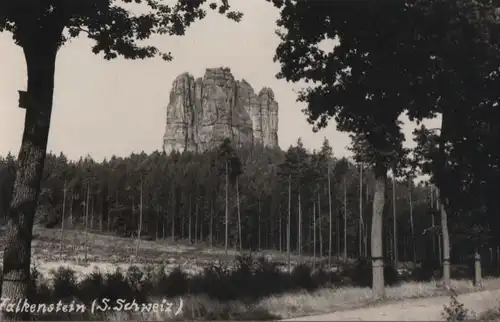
(203, 112)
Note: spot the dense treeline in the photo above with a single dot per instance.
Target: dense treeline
(328, 201)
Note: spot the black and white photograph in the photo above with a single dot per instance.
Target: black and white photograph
(280, 160)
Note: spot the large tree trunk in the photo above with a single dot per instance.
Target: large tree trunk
(376, 235)
(477, 268)
(446, 246)
(40, 62)
(442, 193)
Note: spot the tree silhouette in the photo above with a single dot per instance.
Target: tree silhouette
(41, 28)
(353, 81)
(420, 57)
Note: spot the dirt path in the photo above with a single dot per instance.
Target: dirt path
(428, 309)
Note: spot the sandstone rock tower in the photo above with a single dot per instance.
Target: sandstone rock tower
(202, 112)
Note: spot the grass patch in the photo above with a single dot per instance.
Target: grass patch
(254, 290)
(246, 289)
(330, 300)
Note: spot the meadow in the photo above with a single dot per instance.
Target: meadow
(253, 286)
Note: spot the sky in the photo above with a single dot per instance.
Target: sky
(104, 108)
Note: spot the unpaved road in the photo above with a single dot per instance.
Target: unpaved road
(428, 309)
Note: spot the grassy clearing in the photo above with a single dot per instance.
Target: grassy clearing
(246, 290)
(119, 249)
(107, 252)
(247, 293)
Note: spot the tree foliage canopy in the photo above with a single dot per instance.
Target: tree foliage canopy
(117, 27)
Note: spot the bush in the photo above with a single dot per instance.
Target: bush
(322, 277)
(176, 283)
(361, 274)
(456, 311)
(65, 286)
(251, 280)
(243, 274)
(91, 287)
(215, 281)
(269, 279)
(301, 278)
(428, 269)
(116, 287)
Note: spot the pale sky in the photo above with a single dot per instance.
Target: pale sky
(117, 107)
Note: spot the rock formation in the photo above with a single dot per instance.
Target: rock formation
(203, 112)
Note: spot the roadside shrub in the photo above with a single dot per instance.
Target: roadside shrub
(268, 279)
(241, 279)
(322, 277)
(456, 311)
(301, 277)
(422, 273)
(215, 282)
(462, 271)
(361, 274)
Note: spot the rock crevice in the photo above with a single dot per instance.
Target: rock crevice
(202, 112)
